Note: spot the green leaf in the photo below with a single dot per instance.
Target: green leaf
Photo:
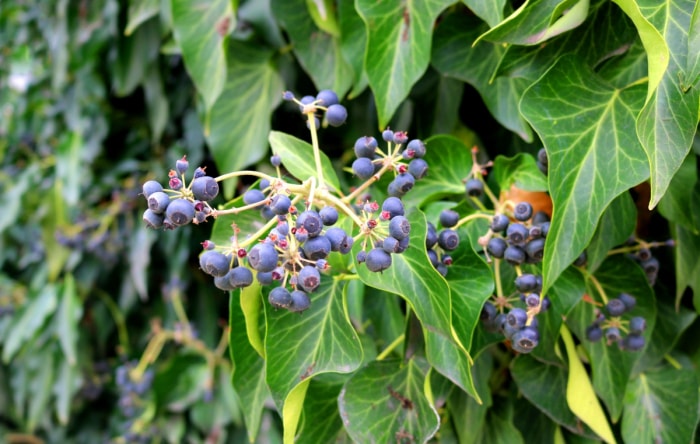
(249, 366)
(500, 428)
(520, 170)
(67, 319)
(13, 195)
(681, 203)
(27, 322)
(139, 12)
(616, 225)
(135, 53)
(449, 163)
(320, 340)
(593, 157)
(611, 366)
(669, 119)
(39, 386)
(384, 402)
(68, 383)
(545, 386)
(661, 406)
(687, 251)
(538, 20)
(353, 41)
(489, 10)
(298, 158)
(240, 118)
(321, 420)
(399, 37)
(580, 396)
(454, 56)
(323, 14)
(156, 102)
(68, 166)
(200, 28)
(318, 51)
(469, 416)
(428, 294)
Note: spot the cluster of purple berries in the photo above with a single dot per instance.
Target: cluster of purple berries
(371, 159)
(182, 202)
(439, 244)
(386, 232)
(519, 325)
(522, 241)
(327, 101)
(517, 242)
(612, 329)
(130, 400)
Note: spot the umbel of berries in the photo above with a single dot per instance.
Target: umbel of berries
(179, 204)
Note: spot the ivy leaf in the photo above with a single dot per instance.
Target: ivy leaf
(399, 35)
(353, 41)
(545, 386)
(322, 422)
(298, 158)
(318, 51)
(614, 228)
(593, 157)
(449, 163)
(135, 53)
(681, 203)
(384, 402)
(70, 310)
(580, 396)
(429, 296)
(200, 28)
(240, 119)
(661, 406)
(687, 251)
(488, 10)
(669, 119)
(454, 56)
(520, 170)
(323, 14)
(27, 322)
(139, 12)
(611, 366)
(538, 20)
(320, 340)
(249, 366)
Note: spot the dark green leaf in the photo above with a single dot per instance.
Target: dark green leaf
(661, 406)
(30, 319)
(614, 228)
(669, 120)
(611, 366)
(320, 340)
(135, 54)
(139, 12)
(316, 50)
(67, 319)
(488, 10)
(321, 420)
(454, 56)
(538, 20)
(68, 382)
(468, 416)
(398, 48)
(384, 402)
(687, 251)
(680, 204)
(353, 40)
(200, 28)
(521, 171)
(249, 366)
(240, 118)
(298, 158)
(593, 157)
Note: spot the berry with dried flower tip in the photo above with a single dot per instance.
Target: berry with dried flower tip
(378, 260)
(151, 187)
(522, 211)
(388, 135)
(205, 188)
(158, 202)
(449, 218)
(180, 212)
(329, 216)
(181, 165)
(300, 301)
(448, 239)
(309, 278)
(280, 297)
(152, 219)
(263, 257)
(499, 223)
(417, 147)
(365, 147)
(474, 188)
(214, 263)
(418, 168)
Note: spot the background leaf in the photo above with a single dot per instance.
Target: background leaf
(584, 123)
(200, 28)
(398, 48)
(669, 119)
(384, 402)
(520, 171)
(298, 158)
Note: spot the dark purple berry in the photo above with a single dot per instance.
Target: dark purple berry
(327, 97)
(180, 212)
(393, 206)
(637, 325)
(151, 187)
(276, 160)
(499, 223)
(449, 218)
(612, 334)
(474, 187)
(517, 318)
(525, 340)
(522, 211)
(240, 277)
(280, 297)
(616, 307)
(514, 255)
(300, 301)
(526, 283)
(318, 247)
(535, 249)
(309, 278)
(336, 115)
(152, 219)
(448, 239)
(627, 299)
(158, 201)
(378, 260)
(496, 247)
(633, 342)
(363, 168)
(365, 147)
(388, 135)
(417, 147)
(329, 216)
(181, 165)
(253, 196)
(418, 168)
(402, 184)
(263, 257)
(214, 263)
(337, 237)
(399, 227)
(431, 236)
(594, 333)
(205, 188)
(311, 221)
(517, 234)
(280, 204)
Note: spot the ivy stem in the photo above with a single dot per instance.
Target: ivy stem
(243, 173)
(390, 348)
(671, 360)
(635, 248)
(596, 284)
(317, 150)
(236, 210)
(474, 216)
(497, 277)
